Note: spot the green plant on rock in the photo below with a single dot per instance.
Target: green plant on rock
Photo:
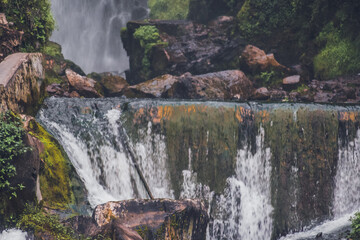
(149, 37)
(340, 56)
(169, 9)
(33, 17)
(37, 220)
(12, 146)
(355, 226)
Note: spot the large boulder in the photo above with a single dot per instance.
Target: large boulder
(21, 82)
(83, 85)
(225, 85)
(255, 60)
(10, 39)
(190, 47)
(157, 219)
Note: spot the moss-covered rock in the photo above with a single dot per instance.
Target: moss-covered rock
(60, 187)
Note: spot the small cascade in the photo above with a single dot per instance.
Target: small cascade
(347, 190)
(235, 157)
(14, 234)
(89, 31)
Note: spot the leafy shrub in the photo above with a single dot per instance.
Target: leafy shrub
(33, 17)
(169, 9)
(340, 56)
(355, 225)
(11, 147)
(149, 37)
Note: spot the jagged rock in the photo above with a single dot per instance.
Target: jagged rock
(82, 85)
(10, 39)
(261, 94)
(157, 219)
(113, 85)
(189, 48)
(254, 60)
(225, 85)
(21, 79)
(277, 95)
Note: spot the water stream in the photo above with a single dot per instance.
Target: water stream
(89, 31)
(171, 141)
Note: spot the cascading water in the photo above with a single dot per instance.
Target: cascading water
(182, 147)
(13, 234)
(89, 31)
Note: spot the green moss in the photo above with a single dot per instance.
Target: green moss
(303, 150)
(55, 183)
(52, 49)
(40, 222)
(149, 38)
(169, 9)
(355, 226)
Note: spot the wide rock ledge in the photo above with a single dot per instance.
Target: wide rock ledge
(225, 85)
(21, 81)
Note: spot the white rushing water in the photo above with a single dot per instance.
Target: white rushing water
(244, 210)
(89, 31)
(13, 234)
(346, 193)
(101, 162)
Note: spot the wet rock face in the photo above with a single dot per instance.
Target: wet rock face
(146, 219)
(192, 47)
(10, 39)
(21, 80)
(225, 85)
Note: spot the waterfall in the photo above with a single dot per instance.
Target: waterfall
(222, 153)
(347, 190)
(13, 234)
(89, 31)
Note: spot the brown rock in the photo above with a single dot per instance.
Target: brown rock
(277, 95)
(83, 85)
(21, 78)
(225, 85)
(292, 82)
(257, 60)
(10, 39)
(113, 85)
(261, 94)
(157, 216)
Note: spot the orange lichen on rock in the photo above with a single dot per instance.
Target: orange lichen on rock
(347, 116)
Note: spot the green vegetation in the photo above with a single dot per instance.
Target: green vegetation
(149, 38)
(33, 17)
(340, 56)
(169, 9)
(355, 225)
(12, 146)
(54, 179)
(37, 220)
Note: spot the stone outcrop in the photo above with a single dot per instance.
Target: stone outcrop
(10, 39)
(225, 85)
(255, 60)
(165, 219)
(21, 81)
(191, 47)
(82, 85)
(145, 219)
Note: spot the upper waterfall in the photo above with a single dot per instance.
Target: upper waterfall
(89, 31)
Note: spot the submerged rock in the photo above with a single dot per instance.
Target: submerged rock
(225, 85)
